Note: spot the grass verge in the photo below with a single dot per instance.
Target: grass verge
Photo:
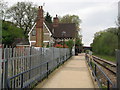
(106, 57)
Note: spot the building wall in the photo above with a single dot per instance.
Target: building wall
(46, 37)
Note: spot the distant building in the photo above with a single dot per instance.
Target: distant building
(44, 33)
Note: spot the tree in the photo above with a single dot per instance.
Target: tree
(105, 42)
(3, 6)
(70, 44)
(23, 15)
(10, 32)
(71, 19)
(78, 42)
(48, 18)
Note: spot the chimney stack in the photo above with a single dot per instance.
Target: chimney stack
(39, 27)
(55, 21)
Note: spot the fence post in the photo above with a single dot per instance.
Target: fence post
(5, 67)
(118, 69)
(47, 70)
(0, 68)
(53, 58)
(108, 85)
(21, 81)
(30, 62)
(95, 70)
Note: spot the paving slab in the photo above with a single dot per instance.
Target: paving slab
(73, 74)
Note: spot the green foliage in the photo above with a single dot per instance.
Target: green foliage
(78, 42)
(47, 46)
(48, 18)
(70, 43)
(10, 32)
(106, 57)
(105, 42)
(71, 19)
(23, 14)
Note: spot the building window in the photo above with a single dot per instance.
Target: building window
(33, 32)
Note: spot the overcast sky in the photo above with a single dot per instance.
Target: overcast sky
(95, 15)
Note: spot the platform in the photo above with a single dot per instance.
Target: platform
(72, 74)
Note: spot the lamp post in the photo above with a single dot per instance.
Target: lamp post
(63, 36)
(118, 51)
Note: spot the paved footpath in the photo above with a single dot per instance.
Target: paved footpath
(73, 74)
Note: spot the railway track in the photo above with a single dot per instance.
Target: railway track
(108, 67)
(106, 71)
(111, 67)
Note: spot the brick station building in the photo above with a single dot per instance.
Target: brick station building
(44, 33)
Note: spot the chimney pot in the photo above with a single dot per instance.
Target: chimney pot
(41, 7)
(56, 16)
(39, 28)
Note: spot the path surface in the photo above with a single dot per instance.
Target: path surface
(73, 74)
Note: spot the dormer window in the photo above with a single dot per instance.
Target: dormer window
(33, 32)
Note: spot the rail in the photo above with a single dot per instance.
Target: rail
(103, 60)
(100, 76)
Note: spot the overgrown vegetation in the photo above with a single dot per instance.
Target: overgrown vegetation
(105, 42)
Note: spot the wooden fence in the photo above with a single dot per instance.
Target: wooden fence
(24, 67)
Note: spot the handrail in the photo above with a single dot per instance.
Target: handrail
(88, 58)
(57, 60)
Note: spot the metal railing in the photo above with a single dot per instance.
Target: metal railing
(100, 76)
(24, 67)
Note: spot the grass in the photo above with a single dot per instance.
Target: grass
(106, 57)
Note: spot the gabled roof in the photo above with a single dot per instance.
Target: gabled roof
(49, 25)
(69, 28)
(56, 32)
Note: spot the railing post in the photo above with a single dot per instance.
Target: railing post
(47, 70)
(21, 81)
(95, 70)
(0, 68)
(108, 85)
(30, 63)
(118, 68)
(57, 62)
(5, 67)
